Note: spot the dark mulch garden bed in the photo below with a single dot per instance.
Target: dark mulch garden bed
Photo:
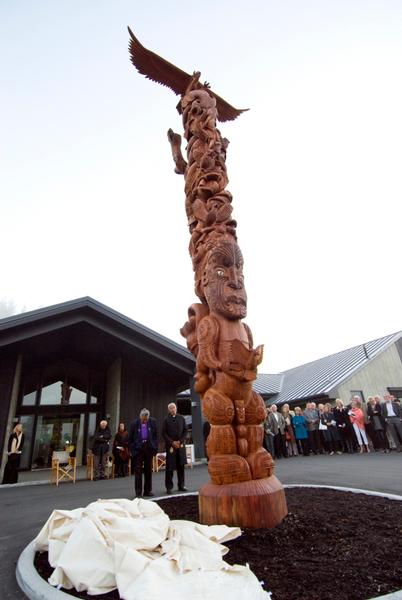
(332, 546)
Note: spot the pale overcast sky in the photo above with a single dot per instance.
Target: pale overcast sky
(90, 204)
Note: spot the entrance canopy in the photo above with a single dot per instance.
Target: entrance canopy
(64, 367)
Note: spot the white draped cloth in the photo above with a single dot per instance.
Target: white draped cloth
(133, 546)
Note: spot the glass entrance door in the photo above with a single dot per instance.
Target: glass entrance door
(57, 433)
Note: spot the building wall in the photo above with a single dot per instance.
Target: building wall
(141, 389)
(380, 373)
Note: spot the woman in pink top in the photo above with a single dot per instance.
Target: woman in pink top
(356, 416)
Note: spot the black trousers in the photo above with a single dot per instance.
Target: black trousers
(173, 463)
(315, 441)
(11, 469)
(143, 465)
(280, 445)
(121, 465)
(303, 447)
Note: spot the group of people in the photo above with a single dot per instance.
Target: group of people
(323, 428)
(139, 445)
(357, 427)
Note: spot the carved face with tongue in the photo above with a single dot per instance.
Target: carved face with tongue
(223, 281)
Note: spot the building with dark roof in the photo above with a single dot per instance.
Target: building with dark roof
(64, 367)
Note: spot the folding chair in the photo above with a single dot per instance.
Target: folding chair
(90, 466)
(190, 455)
(109, 467)
(159, 461)
(63, 466)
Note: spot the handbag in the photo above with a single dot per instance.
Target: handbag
(322, 427)
(124, 454)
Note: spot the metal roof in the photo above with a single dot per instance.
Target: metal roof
(321, 376)
(268, 383)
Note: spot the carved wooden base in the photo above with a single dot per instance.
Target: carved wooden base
(256, 503)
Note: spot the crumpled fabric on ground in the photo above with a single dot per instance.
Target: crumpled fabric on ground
(133, 546)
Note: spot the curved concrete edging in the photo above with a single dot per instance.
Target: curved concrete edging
(31, 583)
(344, 489)
(36, 588)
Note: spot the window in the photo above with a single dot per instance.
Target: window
(396, 392)
(29, 399)
(30, 388)
(27, 422)
(52, 394)
(55, 433)
(357, 393)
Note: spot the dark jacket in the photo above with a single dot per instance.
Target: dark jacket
(374, 410)
(12, 437)
(395, 406)
(134, 436)
(174, 429)
(121, 440)
(341, 417)
(101, 440)
(331, 433)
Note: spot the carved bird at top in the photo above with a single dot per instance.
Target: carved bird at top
(160, 70)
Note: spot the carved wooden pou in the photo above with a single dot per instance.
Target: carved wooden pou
(243, 490)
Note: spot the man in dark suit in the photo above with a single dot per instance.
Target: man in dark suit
(392, 414)
(174, 433)
(143, 444)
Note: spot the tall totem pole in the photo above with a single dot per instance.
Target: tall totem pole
(243, 490)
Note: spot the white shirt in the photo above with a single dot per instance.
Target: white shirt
(390, 410)
(276, 416)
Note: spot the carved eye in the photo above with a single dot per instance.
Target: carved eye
(220, 272)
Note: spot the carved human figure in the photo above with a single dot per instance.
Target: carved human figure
(227, 366)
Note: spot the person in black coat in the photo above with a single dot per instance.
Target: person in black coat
(344, 427)
(143, 444)
(174, 433)
(377, 423)
(14, 449)
(100, 448)
(121, 452)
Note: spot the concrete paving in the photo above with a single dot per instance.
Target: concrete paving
(26, 506)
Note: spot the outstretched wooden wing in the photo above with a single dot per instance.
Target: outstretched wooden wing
(161, 71)
(157, 68)
(226, 112)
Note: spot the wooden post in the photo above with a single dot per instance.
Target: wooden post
(243, 490)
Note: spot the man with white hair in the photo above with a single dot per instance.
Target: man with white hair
(143, 444)
(174, 432)
(100, 448)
